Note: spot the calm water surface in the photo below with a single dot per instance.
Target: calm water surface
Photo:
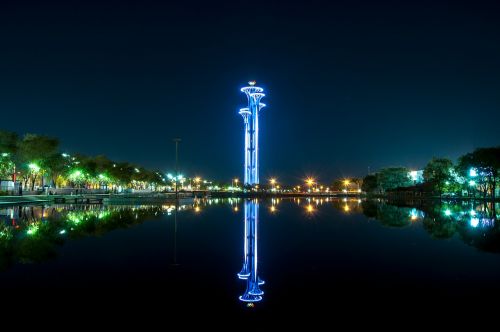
(254, 256)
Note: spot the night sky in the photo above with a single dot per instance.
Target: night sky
(349, 84)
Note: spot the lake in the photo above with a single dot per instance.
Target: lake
(254, 257)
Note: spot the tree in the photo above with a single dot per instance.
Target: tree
(393, 177)
(438, 173)
(123, 173)
(56, 166)
(33, 152)
(369, 183)
(6, 166)
(8, 142)
(8, 149)
(485, 162)
(37, 147)
(338, 185)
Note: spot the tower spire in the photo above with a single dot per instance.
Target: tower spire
(251, 121)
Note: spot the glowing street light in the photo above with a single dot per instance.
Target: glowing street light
(346, 184)
(197, 180)
(273, 184)
(34, 167)
(473, 172)
(234, 182)
(310, 182)
(32, 229)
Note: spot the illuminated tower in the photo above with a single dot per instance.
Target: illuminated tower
(249, 272)
(251, 119)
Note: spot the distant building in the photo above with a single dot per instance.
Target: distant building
(416, 176)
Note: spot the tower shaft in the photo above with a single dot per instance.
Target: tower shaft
(251, 121)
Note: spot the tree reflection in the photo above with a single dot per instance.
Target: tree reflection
(475, 222)
(30, 234)
(388, 215)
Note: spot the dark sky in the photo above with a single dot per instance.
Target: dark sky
(350, 84)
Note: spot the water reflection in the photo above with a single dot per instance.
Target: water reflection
(249, 272)
(31, 234)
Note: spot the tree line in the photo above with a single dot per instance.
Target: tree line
(474, 174)
(36, 160)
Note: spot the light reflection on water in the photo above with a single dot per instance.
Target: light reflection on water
(32, 234)
(19, 224)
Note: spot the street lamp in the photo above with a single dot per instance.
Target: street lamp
(346, 184)
(310, 182)
(176, 140)
(197, 180)
(273, 183)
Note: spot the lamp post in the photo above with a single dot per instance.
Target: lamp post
(310, 182)
(176, 140)
(346, 184)
(197, 180)
(273, 184)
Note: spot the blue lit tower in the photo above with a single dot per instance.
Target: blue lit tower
(249, 272)
(251, 119)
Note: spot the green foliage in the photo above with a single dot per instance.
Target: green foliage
(393, 177)
(486, 162)
(338, 185)
(438, 173)
(6, 167)
(8, 142)
(370, 184)
(390, 215)
(37, 147)
(37, 156)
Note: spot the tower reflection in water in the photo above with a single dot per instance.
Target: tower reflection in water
(249, 272)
